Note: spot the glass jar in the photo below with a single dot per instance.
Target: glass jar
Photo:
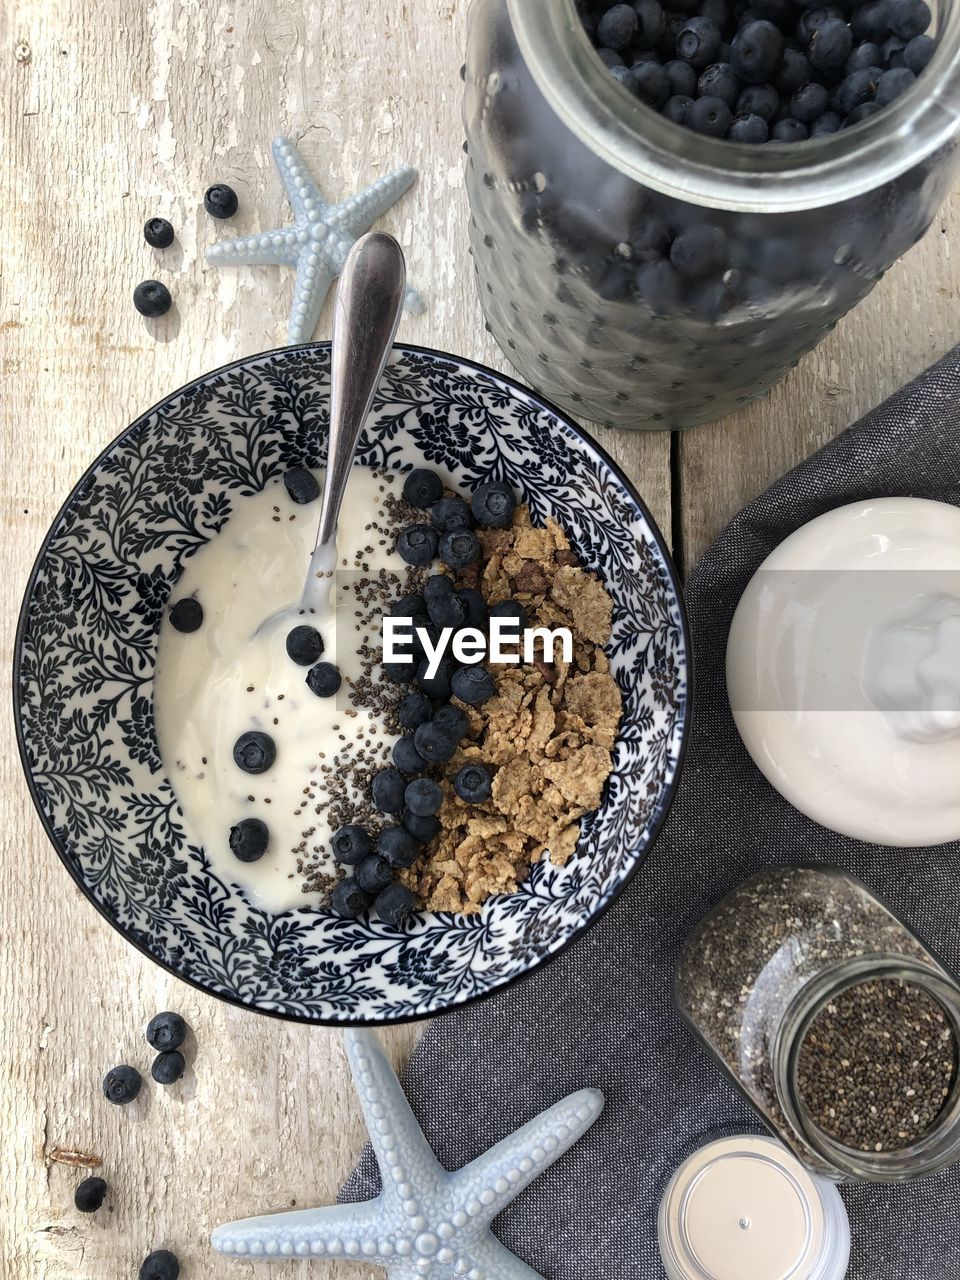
(775, 955)
(576, 189)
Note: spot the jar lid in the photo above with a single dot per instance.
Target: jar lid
(744, 1206)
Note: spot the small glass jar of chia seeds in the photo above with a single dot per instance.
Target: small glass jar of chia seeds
(579, 192)
(838, 1024)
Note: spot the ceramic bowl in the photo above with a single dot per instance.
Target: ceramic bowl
(86, 650)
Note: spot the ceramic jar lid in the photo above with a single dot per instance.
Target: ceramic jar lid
(744, 1207)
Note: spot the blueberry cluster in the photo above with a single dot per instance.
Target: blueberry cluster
(763, 70)
(433, 726)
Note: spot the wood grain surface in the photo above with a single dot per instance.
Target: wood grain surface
(112, 112)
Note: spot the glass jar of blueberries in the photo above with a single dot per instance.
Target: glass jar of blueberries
(673, 200)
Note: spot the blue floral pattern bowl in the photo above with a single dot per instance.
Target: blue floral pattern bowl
(86, 650)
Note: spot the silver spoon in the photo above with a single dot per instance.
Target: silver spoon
(366, 315)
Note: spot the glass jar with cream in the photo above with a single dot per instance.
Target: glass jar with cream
(838, 1024)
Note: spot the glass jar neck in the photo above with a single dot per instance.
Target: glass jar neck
(774, 178)
(940, 1146)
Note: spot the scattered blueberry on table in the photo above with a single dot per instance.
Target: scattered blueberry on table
(158, 233)
(187, 615)
(168, 1067)
(159, 1265)
(249, 839)
(90, 1195)
(121, 1085)
(254, 751)
(165, 1031)
(220, 201)
(151, 298)
(697, 63)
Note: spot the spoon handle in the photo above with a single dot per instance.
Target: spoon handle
(366, 314)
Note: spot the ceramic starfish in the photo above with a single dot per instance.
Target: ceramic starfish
(318, 242)
(427, 1224)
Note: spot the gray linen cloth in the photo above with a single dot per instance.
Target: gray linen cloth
(602, 1013)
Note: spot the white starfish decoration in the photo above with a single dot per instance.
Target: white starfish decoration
(318, 242)
(426, 1223)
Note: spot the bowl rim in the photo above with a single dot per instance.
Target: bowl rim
(655, 824)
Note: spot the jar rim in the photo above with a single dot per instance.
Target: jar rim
(935, 1150)
(774, 178)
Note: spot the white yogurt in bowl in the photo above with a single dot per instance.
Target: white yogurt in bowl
(223, 680)
(843, 670)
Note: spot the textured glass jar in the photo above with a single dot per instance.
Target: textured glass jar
(574, 186)
(760, 968)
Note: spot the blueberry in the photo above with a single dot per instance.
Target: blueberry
(472, 784)
(493, 504)
(395, 905)
(892, 83)
(159, 1265)
(121, 1085)
(510, 609)
(610, 58)
(452, 720)
(90, 1195)
(870, 21)
(158, 232)
(387, 791)
(717, 10)
(477, 613)
(397, 846)
(186, 615)
(682, 77)
(410, 606)
(809, 102)
(304, 645)
(918, 53)
(324, 679)
(406, 756)
(812, 19)
(891, 52)
(677, 108)
(863, 55)
(422, 488)
(659, 284)
(449, 514)
(400, 672)
(423, 797)
(435, 743)
(758, 100)
(780, 12)
(220, 201)
(863, 112)
(459, 548)
(168, 1067)
(437, 587)
(350, 844)
(829, 122)
(751, 128)
(789, 130)
(166, 1031)
(719, 81)
(860, 86)
(831, 45)
(254, 752)
(438, 685)
(302, 485)
(422, 829)
(447, 609)
(249, 839)
(651, 84)
(414, 710)
(473, 685)
(652, 240)
(417, 544)
(349, 900)
(618, 27)
(651, 22)
(373, 874)
(699, 251)
(624, 76)
(793, 72)
(755, 51)
(908, 18)
(151, 298)
(698, 41)
(710, 116)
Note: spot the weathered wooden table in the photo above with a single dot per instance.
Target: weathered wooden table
(113, 112)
